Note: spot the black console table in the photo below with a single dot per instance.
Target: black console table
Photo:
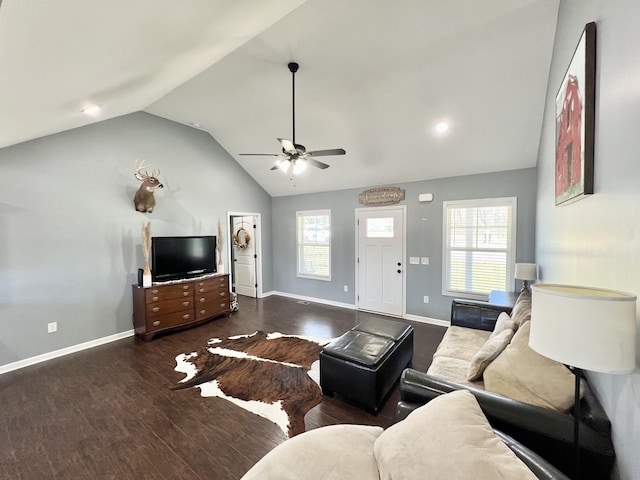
(504, 299)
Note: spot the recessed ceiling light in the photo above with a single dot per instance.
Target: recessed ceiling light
(442, 127)
(91, 110)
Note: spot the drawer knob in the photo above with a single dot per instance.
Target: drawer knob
(186, 316)
(185, 287)
(155, 299)
(202, 312)
(223, 294)
(201, 290)
(156, 323)
(155, 309)
(185, 294)
(223, 305)
(185, 304)
(154, 291)
(203, 299)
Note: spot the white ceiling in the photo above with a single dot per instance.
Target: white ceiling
(375, 77)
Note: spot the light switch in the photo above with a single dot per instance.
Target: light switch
(424, 260)
(414, 260)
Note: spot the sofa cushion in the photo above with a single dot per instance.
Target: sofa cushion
(450, 438)
(489, 351)
(503, 323)
(334, 452)
(521, 312)
(452, 369)
(461, 342)
(523, 374)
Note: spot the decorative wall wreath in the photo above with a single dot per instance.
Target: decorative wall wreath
(241, 238)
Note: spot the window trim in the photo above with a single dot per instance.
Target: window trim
(300, 242)
(511, 249)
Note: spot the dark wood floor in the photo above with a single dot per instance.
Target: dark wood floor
(108, 412)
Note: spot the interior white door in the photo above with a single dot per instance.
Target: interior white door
(380, 260)
(244, 258)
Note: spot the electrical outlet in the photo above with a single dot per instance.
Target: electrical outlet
(346, 288)
(52, 327)
(425, 299)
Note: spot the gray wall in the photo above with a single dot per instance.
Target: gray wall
(595, 242)
(70, 238)
(424, 236)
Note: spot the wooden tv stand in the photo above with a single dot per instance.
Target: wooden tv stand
(178, 305)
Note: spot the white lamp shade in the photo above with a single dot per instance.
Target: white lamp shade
(526, 271)
(588, 328)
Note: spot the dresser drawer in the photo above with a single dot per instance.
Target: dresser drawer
(169, 320)
(164, 307)
(211, 284)
(166, 292)
(210, 308)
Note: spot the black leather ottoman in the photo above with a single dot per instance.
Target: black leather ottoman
(363, 364)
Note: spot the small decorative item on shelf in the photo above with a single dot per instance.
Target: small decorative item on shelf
(146, 249)
(220, 245)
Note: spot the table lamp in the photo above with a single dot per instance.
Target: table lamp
(585, 328)
(526, 272)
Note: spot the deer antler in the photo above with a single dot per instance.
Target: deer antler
(141, 174)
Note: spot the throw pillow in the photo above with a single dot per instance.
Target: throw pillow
(488, 352)
(523, 374)
(502, 323)
(331, 452)
(450, 438)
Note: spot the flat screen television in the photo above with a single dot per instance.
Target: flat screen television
(175, 258)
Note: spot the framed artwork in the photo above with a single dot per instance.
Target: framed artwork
(575, 122)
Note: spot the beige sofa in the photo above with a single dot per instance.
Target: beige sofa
(526, 395)
(447, 438)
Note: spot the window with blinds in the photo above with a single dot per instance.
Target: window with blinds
(479, 246)
(314, 244)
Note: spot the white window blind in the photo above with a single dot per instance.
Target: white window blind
(479, 246)
(314, 244)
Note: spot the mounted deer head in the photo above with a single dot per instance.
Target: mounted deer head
(144, 200)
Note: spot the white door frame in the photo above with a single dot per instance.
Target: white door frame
(258, 246)
(404, 250)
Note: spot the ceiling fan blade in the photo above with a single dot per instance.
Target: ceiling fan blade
(263, 154)
(324, 153)
(316, 163)
(288, 146)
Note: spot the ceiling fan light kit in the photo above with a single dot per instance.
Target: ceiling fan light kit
(294, 157)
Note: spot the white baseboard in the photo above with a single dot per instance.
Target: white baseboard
(416, 318)
(9, 367)
(432, 321)
(312, 299)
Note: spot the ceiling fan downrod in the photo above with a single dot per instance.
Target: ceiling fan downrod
(293, 68)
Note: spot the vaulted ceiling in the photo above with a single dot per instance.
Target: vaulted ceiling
(375, 78)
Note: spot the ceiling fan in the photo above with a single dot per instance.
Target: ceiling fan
(294, 156)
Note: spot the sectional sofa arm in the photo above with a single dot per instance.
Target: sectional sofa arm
(476, 314)
(542, 469)
(510, 416)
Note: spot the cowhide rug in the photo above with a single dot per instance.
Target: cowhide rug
(272, 375)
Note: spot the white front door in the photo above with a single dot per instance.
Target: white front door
(244, 258)
(380, 257)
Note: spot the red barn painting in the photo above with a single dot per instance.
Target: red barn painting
(569, 146)
(575, 122)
